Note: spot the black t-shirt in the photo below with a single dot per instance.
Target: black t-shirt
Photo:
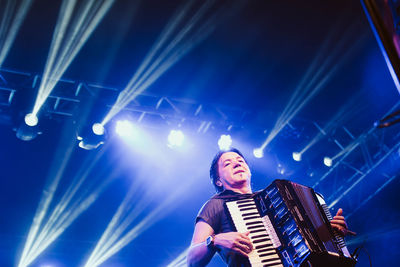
(216, 215)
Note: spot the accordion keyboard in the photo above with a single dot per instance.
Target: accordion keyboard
(247, 219)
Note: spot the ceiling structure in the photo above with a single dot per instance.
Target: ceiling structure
(242, 67)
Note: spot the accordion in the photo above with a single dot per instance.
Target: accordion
(289, 225)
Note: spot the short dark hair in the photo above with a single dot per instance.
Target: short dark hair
(214, 175)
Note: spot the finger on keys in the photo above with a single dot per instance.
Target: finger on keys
(241, 245)
(240, 251)
(248, 241)
(246, 249)
(339, 221)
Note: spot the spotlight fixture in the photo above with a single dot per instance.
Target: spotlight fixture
(175, 138)
(296, 156)
(328, 161)
(98, 129)
(31, 119)
(26, 133)
(258, 153)
(87, 145)
(91, 137)
(225, 142)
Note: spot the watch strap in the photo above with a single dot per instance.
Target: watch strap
(210, 241)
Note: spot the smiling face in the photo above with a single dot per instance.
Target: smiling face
(234, 173)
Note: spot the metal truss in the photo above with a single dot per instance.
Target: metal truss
(367, 165)
(355, 177)
(69, 96)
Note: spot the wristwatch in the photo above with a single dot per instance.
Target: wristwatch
(210, 241)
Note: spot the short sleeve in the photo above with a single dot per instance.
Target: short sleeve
(211, 213)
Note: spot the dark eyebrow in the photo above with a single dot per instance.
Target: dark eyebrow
(226, 161)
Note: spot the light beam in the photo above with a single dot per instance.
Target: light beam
(70, 34)
(49, 225)
(180, 260)
(10, 24)
(310, 86)
(163, 55)
(117, 235)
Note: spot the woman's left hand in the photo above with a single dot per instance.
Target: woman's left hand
(339, 223)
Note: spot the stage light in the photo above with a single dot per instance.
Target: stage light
(328, 161)
(225, 142)
(91, 137)
(28, 130)
(296, 156)
(91, 142)
(98, 129)
(175, 138)
(125, 128)
(258, 153)
(31, 119)
(89, 145)
(280, 169)
(26, 133)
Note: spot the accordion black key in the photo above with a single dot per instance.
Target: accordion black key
(289, 225)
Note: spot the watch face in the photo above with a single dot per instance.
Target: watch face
(209, 241)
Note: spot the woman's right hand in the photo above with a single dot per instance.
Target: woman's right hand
(238, 242)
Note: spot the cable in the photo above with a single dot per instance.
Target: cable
(369, 256)
(354, 255)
